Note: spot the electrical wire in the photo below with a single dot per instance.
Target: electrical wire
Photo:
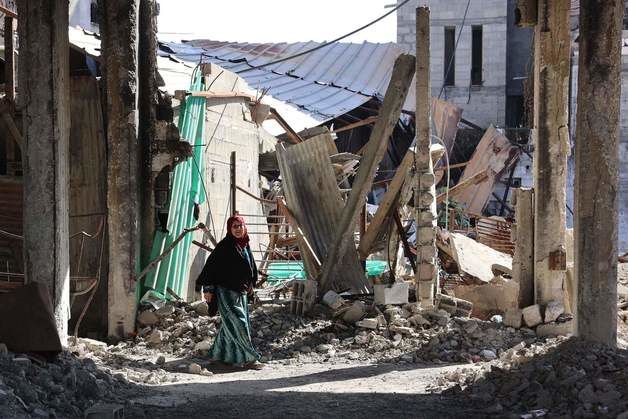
(326, 44)
(451, 60)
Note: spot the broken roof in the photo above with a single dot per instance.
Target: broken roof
(325, 83)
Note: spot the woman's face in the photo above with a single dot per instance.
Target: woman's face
(237, 230)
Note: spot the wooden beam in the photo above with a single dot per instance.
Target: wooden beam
(367, 121)
(293, 137)
(396, 93)
(473, 180)
(385, 205)
(12, 129)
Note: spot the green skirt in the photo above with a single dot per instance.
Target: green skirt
(233, 344)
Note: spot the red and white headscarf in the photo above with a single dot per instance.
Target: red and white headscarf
(242, 241)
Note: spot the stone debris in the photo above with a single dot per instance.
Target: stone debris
(66, 387)
(559, 378)
(532, 315)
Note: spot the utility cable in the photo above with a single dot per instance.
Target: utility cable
(326, 44)
(453, 56)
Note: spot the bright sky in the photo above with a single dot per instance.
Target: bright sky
(275, 20)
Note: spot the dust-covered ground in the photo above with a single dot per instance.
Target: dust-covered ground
(397, 361)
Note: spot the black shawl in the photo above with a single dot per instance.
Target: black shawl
(227, 267)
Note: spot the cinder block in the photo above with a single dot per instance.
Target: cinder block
(397, 293)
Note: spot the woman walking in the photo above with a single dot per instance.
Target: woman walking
(229, 276)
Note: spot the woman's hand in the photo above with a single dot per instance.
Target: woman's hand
(207, 297)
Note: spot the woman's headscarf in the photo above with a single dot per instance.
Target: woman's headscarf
(242, 241)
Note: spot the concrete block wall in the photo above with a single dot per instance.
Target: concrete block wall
(229, 127)
(485, 104)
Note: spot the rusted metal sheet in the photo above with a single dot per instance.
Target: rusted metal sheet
(495, 233)
(313, 196)
(494, 154)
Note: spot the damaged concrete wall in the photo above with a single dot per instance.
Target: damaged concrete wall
(229, 127)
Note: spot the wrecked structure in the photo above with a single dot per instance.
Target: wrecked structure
(128, 179)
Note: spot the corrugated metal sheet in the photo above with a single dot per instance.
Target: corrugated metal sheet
(314, 198)
(325, 84)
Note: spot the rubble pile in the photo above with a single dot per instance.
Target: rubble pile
(356, 331)
(561, 378)
(63, 388)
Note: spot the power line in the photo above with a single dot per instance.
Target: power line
(326, 43)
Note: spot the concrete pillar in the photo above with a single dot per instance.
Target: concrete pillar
(119, 32)
(44, 99)
(147, 108)
(551, 147)
(425, 192)
(597, 159)
(9, 62)
(523, 236)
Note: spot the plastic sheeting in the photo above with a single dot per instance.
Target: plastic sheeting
(187, 190)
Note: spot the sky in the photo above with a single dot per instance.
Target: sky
(274, 20)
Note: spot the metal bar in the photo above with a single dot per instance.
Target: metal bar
(233, 183)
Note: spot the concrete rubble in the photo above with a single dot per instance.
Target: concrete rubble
(559, 378)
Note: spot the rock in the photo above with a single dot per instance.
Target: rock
(497, 318)
(194, 368)
(160, 360)
(203, 345)
(323, 348)
(3, 349)
(165, 311)
(368, 323)
(206, 373)
(553, 309)
(333, 300)
(93, 345)
(147, 318)
(512, 318)
(155, 338)
(305, 349)
(200, 307)
(418, 320)
(354, 313)
(488, 354)
(555, 329)
(397, 337)
(532, 315)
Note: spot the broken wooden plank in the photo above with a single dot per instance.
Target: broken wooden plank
(366, 121)
(366, 242)
(494, 154)
(463, 185)
(293, 137)
(396, 93)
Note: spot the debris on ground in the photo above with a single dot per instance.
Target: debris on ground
(559, 378)
(66, 387)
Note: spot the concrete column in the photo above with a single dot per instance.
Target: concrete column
(597, 159)
(44, 99)
(523, 236)
(119, 32)
(551, 146)
(147, 108)
(425, 192)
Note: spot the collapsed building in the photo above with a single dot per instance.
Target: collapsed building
(123, 161)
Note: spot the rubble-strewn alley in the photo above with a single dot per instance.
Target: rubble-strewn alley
(432, 225)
